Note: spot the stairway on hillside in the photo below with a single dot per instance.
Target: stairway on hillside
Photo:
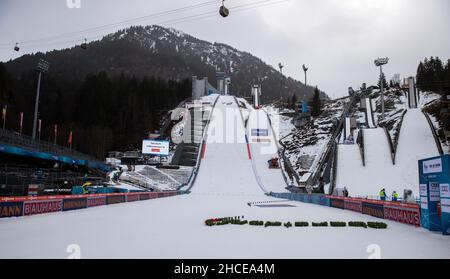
(186, 153)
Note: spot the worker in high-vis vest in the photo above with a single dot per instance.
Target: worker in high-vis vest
(383, 194)
(394, 196)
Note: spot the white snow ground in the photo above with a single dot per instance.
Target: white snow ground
(174, 227)
(264, 148)
(415, 142)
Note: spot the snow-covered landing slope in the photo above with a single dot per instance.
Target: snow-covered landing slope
(416, 142)
(263, 146)
(226, 167)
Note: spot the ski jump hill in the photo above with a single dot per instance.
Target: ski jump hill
(227, 185)
(365, 168)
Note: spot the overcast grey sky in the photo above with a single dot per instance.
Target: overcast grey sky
(337, 39)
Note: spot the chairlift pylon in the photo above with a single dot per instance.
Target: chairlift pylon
(224, 12)
(84, 45)
(16, 47)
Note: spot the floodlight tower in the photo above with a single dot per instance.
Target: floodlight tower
(379, 63)
(42, 67)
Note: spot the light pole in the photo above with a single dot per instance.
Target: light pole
(42, 67)
(305, 69)
(379, 63)
(281, 81)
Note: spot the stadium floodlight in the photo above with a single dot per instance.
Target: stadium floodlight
(379, 62)
(42, 67)
(305, 69)
(281, 66)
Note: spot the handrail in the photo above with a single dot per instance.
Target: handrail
(397, 137)
(391, 146)
(282, 155)
(27, 142)
(360, 142)
(196, 169)
(435, 136)
(336, 133)
(255, 173)
(334, 167)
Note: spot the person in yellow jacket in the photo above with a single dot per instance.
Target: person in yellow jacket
(394, 196)
(85, 185)
(383, 194)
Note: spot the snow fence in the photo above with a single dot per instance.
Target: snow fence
(394, 211)
(26, 206)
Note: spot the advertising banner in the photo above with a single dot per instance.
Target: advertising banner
(96, 201)
(11, 209)
(144, 196)
(353, 205)
(155, 147)
(41, 207)
(403, 214)
(132, 197)
(72, 204)
(115, 199)
(337, 203)
(373, 209)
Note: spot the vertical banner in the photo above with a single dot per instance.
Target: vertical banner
(70, 139)
(39, 128)
(21, 122)
(4, 116)
(55, 132)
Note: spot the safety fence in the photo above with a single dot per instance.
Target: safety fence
(26, 206)
(394, 211)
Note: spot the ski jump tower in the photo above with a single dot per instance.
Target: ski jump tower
(256, 94)
(412, 93)
(223, 83)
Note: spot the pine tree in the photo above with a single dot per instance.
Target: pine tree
(316, 105)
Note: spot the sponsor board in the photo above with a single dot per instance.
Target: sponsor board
(11, 209)
(445, 205)
(155, 147)
(353, 205)
(115, 199)
(337, 203)
(432, 166)
(373, 209)
(96, 201)
(444, 190)
(72, 204)
(41, 207)
(144, 196)
(132, 197)
(260, 132)
(434, 191)
(423, 202)
(407, 215)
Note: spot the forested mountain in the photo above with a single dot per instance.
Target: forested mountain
(166, 53)
(112, 93)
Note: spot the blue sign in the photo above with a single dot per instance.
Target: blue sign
(260, 132)
(434, 178)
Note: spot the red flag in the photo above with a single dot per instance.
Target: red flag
(70, 138)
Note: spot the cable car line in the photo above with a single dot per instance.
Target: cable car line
(237, 8)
